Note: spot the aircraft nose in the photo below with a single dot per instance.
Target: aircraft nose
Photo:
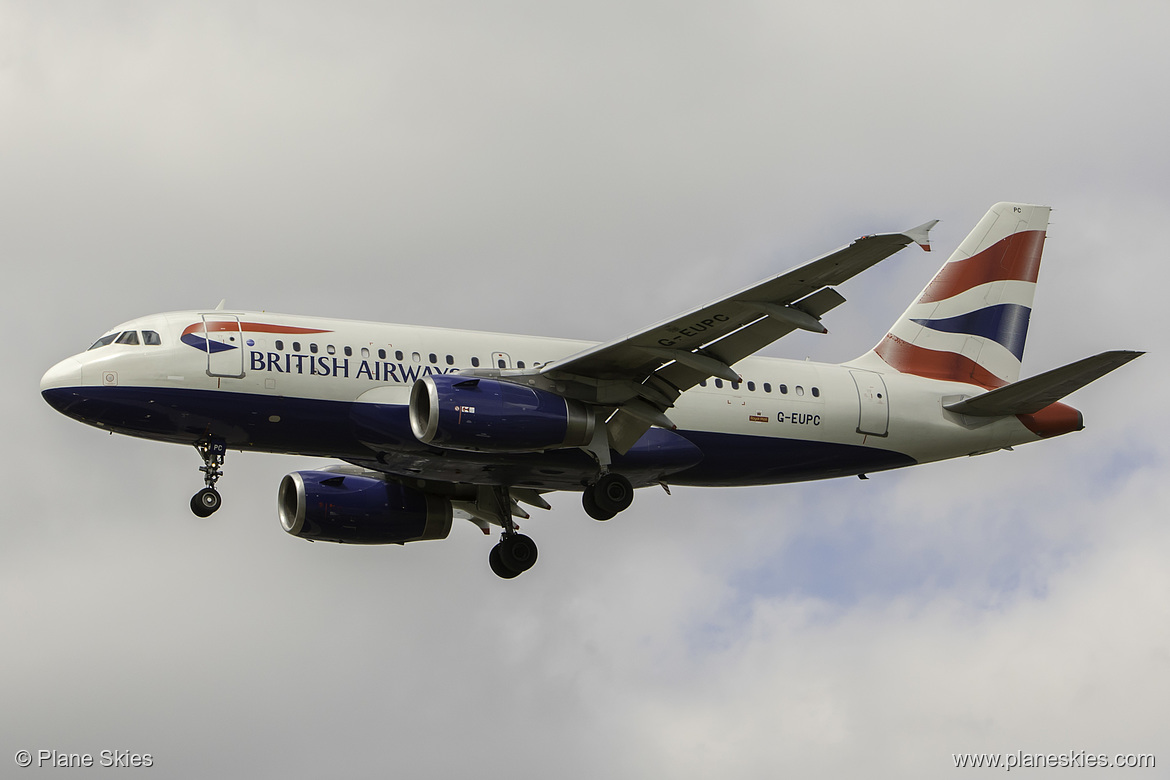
(67, 373)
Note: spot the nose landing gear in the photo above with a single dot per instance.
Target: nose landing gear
(207, 500)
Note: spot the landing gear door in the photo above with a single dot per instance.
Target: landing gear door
(874, 418)
(225, 345)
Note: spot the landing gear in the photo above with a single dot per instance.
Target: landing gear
(515, 553)
(207, 500)
(513, 556)
(610, 494)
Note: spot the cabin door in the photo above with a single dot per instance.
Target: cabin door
(874, 416)
(225, 345)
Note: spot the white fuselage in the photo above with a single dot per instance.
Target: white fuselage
(288, 383)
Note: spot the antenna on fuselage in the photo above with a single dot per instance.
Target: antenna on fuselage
(222, 303)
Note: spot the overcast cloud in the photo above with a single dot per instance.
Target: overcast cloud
(581, 172)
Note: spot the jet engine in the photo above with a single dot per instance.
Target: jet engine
(330, 506)
(490, 415)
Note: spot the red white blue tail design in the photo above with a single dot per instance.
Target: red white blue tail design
(970, 323)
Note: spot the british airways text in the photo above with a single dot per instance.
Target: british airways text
(342, 368)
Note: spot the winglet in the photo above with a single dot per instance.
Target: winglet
(921, 234)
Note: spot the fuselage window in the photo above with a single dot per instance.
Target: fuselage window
(296, 346)
(719, 383)
(104, 341)
(365, 351)
(434, 358)
(799, 390)
(280, 345)
(475, 362)
(752, 386)
(702, 383)
(519, 364)
(735, 385)
(501, 363)
(313, 348)
(348, 351)
(816, 391)
(417, 358)
(398, 355)
(381, 354)
(783, 389)
(767, 387)
(331, 349)
(150, 338)
(129, 337)
(450, 360)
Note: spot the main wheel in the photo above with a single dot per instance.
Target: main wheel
(613, 493)
(205, 502)
(517, 552)
(498, 566)
(590, 503)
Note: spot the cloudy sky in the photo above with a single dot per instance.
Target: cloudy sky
(582, 171)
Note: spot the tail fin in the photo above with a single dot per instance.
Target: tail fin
(970, 322)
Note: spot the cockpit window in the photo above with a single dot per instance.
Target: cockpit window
(150, 338)
(104, 341)
(129, 337)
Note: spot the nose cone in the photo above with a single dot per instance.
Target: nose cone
(67, 373)
(58, 380)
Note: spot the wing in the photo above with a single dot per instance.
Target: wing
(642, 374)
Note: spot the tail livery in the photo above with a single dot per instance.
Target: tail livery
(970, 323)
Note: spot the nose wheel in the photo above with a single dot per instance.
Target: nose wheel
(208, 500)
(205, 502)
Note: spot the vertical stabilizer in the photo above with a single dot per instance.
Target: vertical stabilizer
(970, 323)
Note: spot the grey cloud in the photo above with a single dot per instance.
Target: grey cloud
(580, 172)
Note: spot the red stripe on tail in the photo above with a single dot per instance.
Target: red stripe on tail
(1016, 257)
(933, 364)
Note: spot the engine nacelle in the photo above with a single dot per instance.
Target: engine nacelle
(329, 506)
(490, 415)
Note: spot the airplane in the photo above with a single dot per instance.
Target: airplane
(431, 424)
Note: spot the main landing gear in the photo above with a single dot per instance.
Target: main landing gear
(610, 494)
(208, 499)
(515, 553)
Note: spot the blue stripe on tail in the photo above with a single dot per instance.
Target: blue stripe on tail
(1005, 324)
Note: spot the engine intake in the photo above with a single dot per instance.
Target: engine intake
(325, 506)
(490, 415)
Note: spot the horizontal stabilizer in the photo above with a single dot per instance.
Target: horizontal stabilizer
(1030, 395)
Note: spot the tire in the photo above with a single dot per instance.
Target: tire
(206, 502)
(613, 493)
(517, 552)
(498, 565)
(590, 503)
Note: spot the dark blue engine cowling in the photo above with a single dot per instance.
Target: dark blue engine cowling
(489, 415)
(326, 506)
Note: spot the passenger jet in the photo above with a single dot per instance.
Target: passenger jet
(433, 424)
